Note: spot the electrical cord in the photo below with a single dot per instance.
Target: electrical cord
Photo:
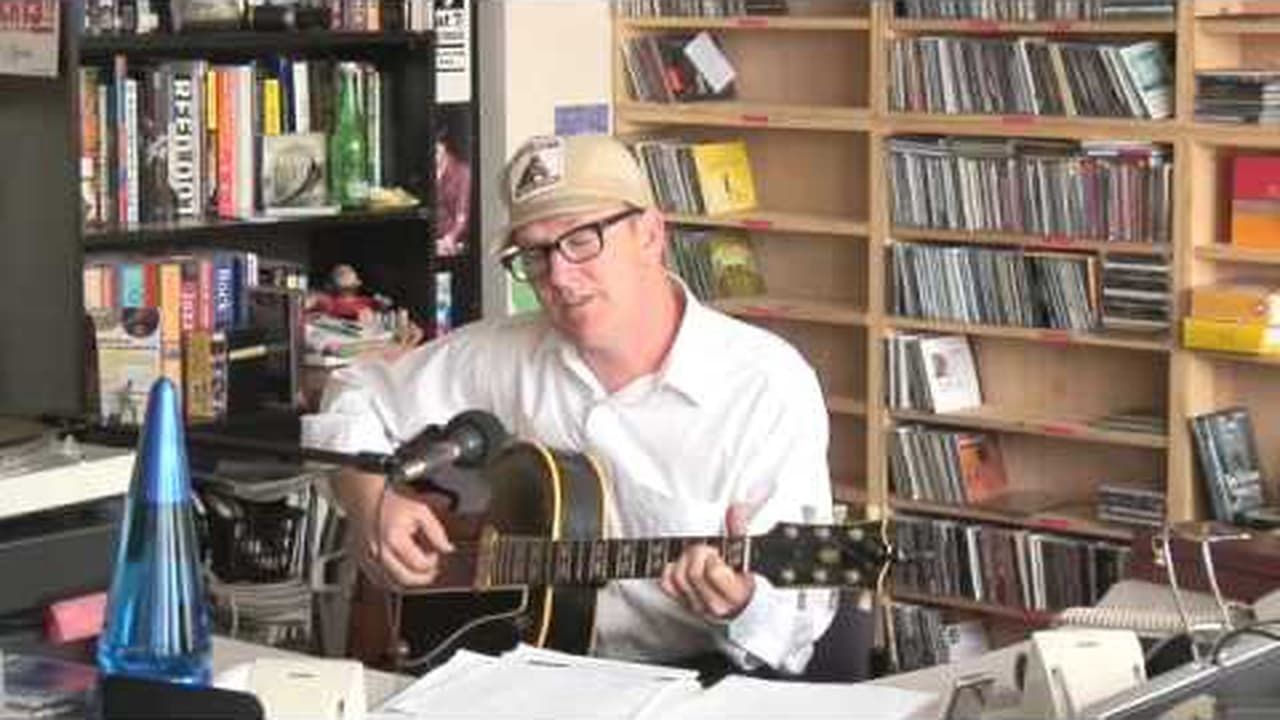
(1230, 636)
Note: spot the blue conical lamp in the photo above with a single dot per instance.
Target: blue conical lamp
(157, 623)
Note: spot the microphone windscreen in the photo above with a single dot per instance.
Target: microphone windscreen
(479, 435)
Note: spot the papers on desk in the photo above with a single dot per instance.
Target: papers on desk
(533, 684)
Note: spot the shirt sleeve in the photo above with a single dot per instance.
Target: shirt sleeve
(374, 405)
(782, 459)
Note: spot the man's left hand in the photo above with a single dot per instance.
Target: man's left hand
(703, 582)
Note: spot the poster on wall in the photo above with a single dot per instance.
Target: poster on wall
(453, 51)
(29, 37)
(454, 152)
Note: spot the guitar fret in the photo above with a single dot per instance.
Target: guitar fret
(599, 561)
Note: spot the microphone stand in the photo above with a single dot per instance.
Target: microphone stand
(391, 466)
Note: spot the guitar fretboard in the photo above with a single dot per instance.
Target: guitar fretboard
(535, 561)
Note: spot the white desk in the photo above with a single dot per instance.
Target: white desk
(381, 685)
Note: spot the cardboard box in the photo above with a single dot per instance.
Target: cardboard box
(1237, 303)
(1253, 338)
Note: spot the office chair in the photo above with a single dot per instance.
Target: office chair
(843, 653)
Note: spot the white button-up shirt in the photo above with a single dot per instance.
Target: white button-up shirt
(734, 416)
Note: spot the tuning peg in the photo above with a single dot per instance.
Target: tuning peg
(852, 577)
(855, 533)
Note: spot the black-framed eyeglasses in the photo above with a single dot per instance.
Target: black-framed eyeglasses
(577, 245)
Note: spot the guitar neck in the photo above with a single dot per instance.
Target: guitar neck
(515, 560)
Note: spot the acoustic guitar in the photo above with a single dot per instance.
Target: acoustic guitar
(531, 573)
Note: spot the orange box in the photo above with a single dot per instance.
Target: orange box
(1236, 303)
(1255, 224)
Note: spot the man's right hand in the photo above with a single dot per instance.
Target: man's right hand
(400, 546)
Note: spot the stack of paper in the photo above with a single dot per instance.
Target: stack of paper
(534, 684)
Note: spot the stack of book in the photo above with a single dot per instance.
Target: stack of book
(995, 286)
(1099, 190)
(940, 465)
(1136, 293)
(677, 68)
(1035, 10)
(1030, 76)
(1130, 503)
(1238, 96)
(700, 8)
(715, 263)
(702, 178)
(1234, 318)
(934, 373)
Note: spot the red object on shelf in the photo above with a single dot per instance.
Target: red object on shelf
(1018, 119)
(1060, 429)
(752, 22)
(73, 619)
(757, 224)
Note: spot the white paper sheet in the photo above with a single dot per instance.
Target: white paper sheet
(744, 698)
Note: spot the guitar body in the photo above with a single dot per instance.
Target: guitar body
(536, 492)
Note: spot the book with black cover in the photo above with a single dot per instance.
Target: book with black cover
(1229, 466)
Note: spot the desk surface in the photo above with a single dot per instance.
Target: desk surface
(938, 679)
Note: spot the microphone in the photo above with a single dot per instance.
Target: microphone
(469, 440)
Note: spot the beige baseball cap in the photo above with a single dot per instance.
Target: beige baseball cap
(554, 175)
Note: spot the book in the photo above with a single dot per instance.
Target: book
(950, 374)
(724, 177)
(1229, 464)
(734, 270)
(129, 361)
(294, 173)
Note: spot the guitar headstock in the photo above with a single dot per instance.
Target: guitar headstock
(800, 555)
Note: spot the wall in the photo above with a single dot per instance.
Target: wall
(534, 55)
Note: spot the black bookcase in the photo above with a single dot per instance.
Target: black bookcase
(43, 240)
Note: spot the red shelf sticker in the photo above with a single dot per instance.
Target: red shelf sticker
(751, 22)
(1054, 524)
(1057, 337)
(1057, 240)
(1018, 119)
(1062, 26)
(757, 224)
(982, 25)
(1059, 429)
(755, 119)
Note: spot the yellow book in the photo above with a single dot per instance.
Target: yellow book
(724, 177)
(271, 124)
(1254, 338)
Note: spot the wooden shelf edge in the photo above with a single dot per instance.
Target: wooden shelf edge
(772, 307)
(1046, 126)
(1037, 242)
(1047, 27)
(849, 492)
(846, 405)
(1036, 618)
(1063, 428)
(1044, 521)
(748, 22)
(776, 221)
(1233, 254)
(764, 116)
(1227, 25)
(1041, 335)
(1242, 358)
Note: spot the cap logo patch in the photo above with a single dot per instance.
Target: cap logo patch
(539, 168)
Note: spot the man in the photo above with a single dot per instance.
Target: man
(704, 424)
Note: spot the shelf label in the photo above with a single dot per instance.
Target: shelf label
(1058, 240)
(751, 22)
(1053, 524)
(755, 119)
(757, 224)
(1062, 26)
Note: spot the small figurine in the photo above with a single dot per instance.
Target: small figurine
(345, 299)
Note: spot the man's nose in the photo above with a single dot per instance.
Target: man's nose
(559, 268)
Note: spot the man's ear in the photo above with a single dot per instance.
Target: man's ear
(653, 234)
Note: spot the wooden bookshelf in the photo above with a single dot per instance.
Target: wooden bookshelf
(1042, 387)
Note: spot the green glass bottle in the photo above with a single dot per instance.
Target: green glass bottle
(348, 148)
